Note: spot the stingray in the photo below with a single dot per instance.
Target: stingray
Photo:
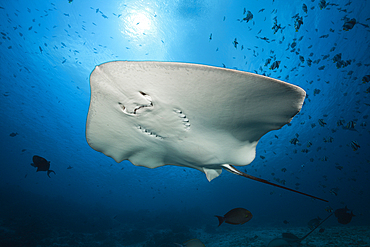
(289, 239)
(42, 164)
(198, 116)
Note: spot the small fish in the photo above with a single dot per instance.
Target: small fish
(285, 222)
(355, 145)
(70, 1)
(294, 141)
(268, 60)
(321, 230)
(322, 4)
(351, 125)
(283, 169)
(13, 134)
(329, 209)
(304, 7)
(236, 216)
(366, 78)
(41, 164)
(248, 17)
(40, 49)
(69, 167)
(339, 167)
(328, 139)
(334, 191)
(343, 216)
(349, 24)
(275, 65)
(210, 37)
(314, 223)
(298, 23)
(340, 122)
(191, 243)
(322, 122)
(235, 43)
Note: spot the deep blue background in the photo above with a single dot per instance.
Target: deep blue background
(48, 50)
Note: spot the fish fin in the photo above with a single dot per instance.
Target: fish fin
(232, 169)
(49, 171)
(220, 219)
(32, 164)
(212, 173)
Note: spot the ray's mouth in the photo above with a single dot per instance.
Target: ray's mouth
(137, 108)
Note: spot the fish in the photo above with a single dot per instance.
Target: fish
(191, 243)
(42, 165)
(350, 125)
(268, 60)
(341, 122)
(298, 23)
(334, 191)
(236, 216)
(321, 230)
(13, 134)
(343, 216)
(70, 1)
(140, 113)
(349, 24)
(304, 8)
(248, 17)
(354, 145)
(285, 222)
(314, 223)
(235, 43)
(322, 4)
(275, 65)
(290, 240)
(366, 78)
(322, 122)
(69, 167)
(329, 209)
(294, 141)
(339, 167)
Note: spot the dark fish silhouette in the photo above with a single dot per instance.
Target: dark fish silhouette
(13, 134)
(41, 164)
(314, 223)
(343, 216)
(236, 216)
(289, 239)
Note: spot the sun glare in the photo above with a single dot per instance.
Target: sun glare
(138, 23)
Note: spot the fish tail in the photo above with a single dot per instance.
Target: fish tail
(220, 219)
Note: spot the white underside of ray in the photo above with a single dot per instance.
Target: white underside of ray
(163, 113)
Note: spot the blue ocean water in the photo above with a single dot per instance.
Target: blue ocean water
(48, 50)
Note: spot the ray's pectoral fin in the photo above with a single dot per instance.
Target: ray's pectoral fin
(232, 169)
